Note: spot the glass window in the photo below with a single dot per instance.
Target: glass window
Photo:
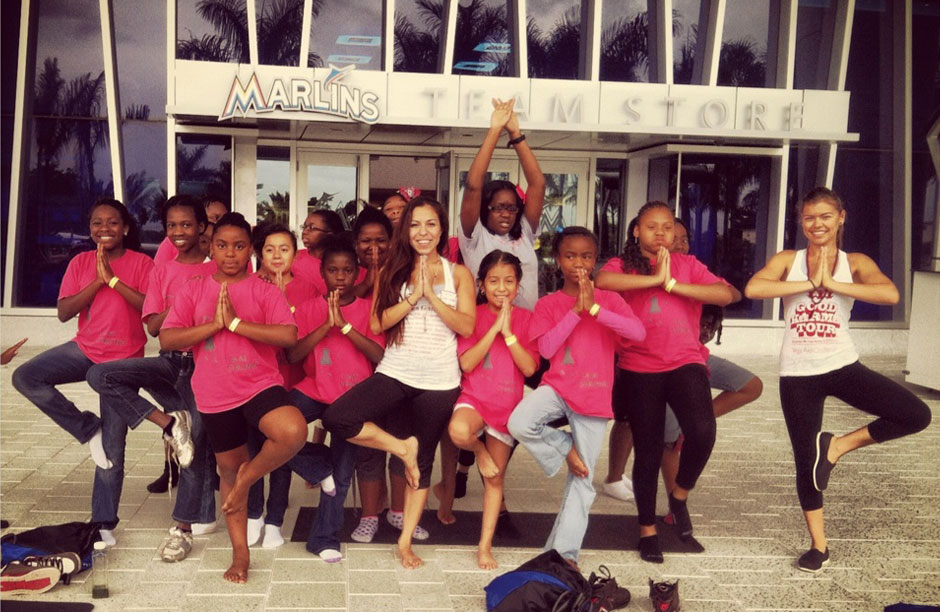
(140, 38)
(723, 200)
(332, 187)
(742, 61)
(273, 192)
(561, 203)
(608, 194)
(925, 109)
(344, 32)
(810, 70)
(624, 41)
(685, 26)
(554, 38)
(801, 178)
(279, 26)
(418, 35)
(212, 30)
(145, 178)
(204, 166)
(483, 41)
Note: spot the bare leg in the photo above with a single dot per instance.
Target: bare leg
(817, 529)
(621, 445)
(492, 500)
(371, 493)
(849, 442)
(415, 499)
(286, 431)
(373, 436)
(444, 490)
(576, 464)
(159, 418)
(230, 464)
(726, 401)
(398, 492)
(463, 429)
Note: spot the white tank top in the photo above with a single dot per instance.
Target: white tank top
(816, 336)
(426, 357)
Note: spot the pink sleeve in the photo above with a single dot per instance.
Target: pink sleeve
(183, 312)
(166, 252)
(554, 338)
(142, 274)
(614, 264)
(71, 283)
(626, 325)
(465, 344)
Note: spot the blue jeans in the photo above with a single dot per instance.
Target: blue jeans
(529, 424)
(167, 379)
(36, 380)
(312, 464)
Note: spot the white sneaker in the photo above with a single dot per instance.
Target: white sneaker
(180, 439)
(204, 528)
(621, 489)
(176, 546)
(255, 527)
(272, 537)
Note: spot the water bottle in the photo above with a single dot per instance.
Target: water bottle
(99, 570)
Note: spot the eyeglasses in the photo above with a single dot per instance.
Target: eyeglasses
(504, 208)
(313, 228)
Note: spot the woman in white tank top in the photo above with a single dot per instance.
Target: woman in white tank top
(422, 302)
(818, 285)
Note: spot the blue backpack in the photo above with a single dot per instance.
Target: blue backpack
(546, 583)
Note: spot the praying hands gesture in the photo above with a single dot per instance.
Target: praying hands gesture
(103, 266)
(224, 311)
(585, 300)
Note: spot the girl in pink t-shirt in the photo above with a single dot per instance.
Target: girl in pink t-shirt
(105, 288)
(318, 225)
(237, 384)
(667, 292)
(495, 361)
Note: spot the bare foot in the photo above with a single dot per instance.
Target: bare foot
(409, 560)
(485, 559)
(446, 518)
(238, 571)
(444, 515)
(410, 459)
(575, 464)
(237, 499)
(486, 465)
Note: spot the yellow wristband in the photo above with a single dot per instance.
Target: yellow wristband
(596, 308)
(670, 285)
(346, 329)
(114, 280)
(234, 324)
(511, 339)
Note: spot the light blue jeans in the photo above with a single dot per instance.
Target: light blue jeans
(529, 424)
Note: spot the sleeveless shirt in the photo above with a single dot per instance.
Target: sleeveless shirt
(816, 336)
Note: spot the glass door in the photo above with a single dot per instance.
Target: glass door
(566, 203)
(328, 181)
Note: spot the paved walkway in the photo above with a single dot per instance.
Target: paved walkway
(883, 516)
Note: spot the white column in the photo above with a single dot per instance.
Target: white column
(112, 97)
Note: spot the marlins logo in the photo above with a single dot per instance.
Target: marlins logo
(328, 97)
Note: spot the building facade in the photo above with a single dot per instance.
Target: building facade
(729, 110)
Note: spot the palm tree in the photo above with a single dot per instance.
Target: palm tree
(555, 55)
(625, 49)
(478, 23)
(740, 65)
(418, 50)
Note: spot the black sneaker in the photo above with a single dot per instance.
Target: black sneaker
(169, 477)
(651, 550)
(812, 560)
(460, 485)
(822, 468)
(681, 518)
(68, 563)
(606, 594)
(665, 596)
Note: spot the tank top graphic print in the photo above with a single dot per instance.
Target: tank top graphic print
(426, 357)
(816, 336)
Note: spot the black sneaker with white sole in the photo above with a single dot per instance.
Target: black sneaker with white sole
(813, 560)
(665, 596)
(822, 467)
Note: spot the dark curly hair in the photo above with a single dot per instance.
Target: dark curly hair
(633, 258)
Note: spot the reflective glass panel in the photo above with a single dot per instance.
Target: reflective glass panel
(279, 24)
(331, 187)
(483, 42)
(624, 41)
(273, 191)
(9, 43)
(212, 30)
(561, 204)
(810, 70)
(204, 166)
(344, 32)
(742, 62)
(685, 27)
(418, 35)
(608, 190)
(145, 178)
(554, 37)
(925, 109)
(140, 36)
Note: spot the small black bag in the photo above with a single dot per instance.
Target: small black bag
(77, 537)
(546, 583)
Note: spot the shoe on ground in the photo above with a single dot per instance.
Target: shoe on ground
(680, 514)
(200, 529)
(68, 563)
(665, 596)
(506, 528)
(176, 545)
(366, 530)
(255, 529)
(397, 520)
(169, 478)
(606, 594)
(821, 467)
(619, 489)
(180, 439)
(460, 485)
(20, 579)
(272, 537)
(812, 560)
(651, 549)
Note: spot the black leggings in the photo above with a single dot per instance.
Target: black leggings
(899, 413)
(643, 397)
(414, 412)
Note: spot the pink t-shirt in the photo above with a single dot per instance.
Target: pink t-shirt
(306, 267)
(166, 252)
(495, 386)
(671, 321)
(582, 370)
(230, 368)
(335, 365)
(452, 252)
(167, 279)
(109, 328)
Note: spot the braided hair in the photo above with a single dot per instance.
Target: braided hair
(633, 258)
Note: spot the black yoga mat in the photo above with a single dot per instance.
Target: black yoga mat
(15, 605)
(605, 531)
